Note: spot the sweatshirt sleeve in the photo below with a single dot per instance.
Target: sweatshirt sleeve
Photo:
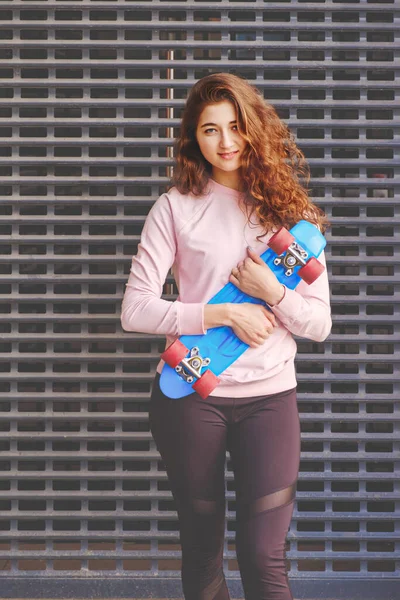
(306, 310)
(143, 310)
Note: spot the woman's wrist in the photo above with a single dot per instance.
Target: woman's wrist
(276, 296)
(217, 315)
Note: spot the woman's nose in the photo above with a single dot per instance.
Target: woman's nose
(226, 139)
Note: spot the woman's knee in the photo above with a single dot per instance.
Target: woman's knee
(260, 546)
(202, 525)
(264, 570)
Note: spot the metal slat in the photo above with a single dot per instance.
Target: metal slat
(189, 6)
(210, 26)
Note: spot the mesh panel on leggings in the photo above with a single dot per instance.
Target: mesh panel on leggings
(267, 503)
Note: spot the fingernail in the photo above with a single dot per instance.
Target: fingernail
(251, 248)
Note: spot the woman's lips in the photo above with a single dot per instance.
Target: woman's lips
(229, 155)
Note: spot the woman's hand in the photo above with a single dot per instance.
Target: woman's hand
(252, 323)
(253, 277)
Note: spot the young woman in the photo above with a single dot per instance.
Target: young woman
(236, 181)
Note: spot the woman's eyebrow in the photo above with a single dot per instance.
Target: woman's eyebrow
(207, 124)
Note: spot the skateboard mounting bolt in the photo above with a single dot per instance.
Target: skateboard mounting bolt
(293, 256)
(190, 368)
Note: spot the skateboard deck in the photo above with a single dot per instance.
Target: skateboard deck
(193, 362)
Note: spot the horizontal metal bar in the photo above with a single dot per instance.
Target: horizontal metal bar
(118, 337)
(112, 377)
(359, 298)
(341, 555)
(294, 103)
(292, 84)
(166, 516)
(360, 417)
(122, 280)
(85, 416)
(357, 239)
(203, 26)
(119, 396)
(84, 141)
(115, 455)
(362, 280)
(84, 515)
(117, 435)
(94, 536)
(122, 180)
(120, 201)
(333, 261)
(275, 6)
(171, 536)
(84, 475)
(51, 180)
(84, 318)
(85, 356)
(191, 6)
(176, 554)
(156, 496)
(156, 45)
(163, 162)
(139, 219)
(223, 63)
(347, 456)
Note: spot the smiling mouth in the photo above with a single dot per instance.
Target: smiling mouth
(228, 155)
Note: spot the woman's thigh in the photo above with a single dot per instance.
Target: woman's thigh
(264, 444)
(190, 435)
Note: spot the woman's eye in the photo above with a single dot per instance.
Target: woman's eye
(213, 129)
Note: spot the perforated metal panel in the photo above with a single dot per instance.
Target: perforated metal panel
(90, 96)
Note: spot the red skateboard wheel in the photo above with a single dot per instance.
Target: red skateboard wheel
(311, 270)
(174, 353)
(281, 241)
(206, 384)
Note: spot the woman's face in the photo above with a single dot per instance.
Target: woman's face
(219, 139)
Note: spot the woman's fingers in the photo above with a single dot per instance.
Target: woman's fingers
(270, 317)
(270, 325)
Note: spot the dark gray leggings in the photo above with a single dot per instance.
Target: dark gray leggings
(262, 435)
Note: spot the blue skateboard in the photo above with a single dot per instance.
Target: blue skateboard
(193, 362)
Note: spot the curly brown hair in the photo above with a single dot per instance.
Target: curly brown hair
(272, 165)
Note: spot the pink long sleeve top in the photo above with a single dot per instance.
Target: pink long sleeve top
(202, 239)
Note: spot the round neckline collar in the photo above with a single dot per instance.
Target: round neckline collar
(224, 188)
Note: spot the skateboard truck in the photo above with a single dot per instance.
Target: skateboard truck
(294, 255)
(190, 368)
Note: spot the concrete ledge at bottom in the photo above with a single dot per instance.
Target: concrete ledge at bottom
(152, 588)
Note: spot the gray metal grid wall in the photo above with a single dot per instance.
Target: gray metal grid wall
(90, 95)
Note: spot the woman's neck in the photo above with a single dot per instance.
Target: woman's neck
(231, 180)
